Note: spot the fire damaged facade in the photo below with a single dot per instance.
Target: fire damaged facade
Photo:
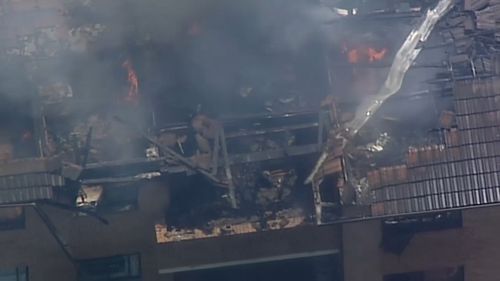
(249, 140)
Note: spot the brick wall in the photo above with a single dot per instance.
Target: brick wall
(474, 246)
(127, 233)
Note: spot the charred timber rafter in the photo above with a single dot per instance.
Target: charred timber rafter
(156, 165)
(182, 160)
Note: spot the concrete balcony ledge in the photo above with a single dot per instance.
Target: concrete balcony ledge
(298, 242)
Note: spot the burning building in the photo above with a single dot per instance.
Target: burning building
(311, 140)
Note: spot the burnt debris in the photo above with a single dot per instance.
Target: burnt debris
(228, 105)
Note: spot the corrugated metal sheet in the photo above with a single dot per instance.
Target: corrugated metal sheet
(30, 180)
(29, 165)
(26, 194)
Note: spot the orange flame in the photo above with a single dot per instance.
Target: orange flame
(364, 54)
(133, 91)
(353, 56)
(374, 55)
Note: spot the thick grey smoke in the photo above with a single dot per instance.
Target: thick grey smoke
(191, 40)
(242, 55)
(81, 41)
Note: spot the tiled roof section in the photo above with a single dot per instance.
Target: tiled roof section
(464, 171)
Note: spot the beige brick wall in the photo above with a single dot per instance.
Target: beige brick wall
(127, 233)
(476, 246)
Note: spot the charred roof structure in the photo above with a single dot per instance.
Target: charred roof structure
(249, 140)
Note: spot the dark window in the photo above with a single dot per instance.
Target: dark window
(110, 198)
(423, 223)
(119, 198)
(397, 233)
(17, 274)
(122, 268)
(441, 274)
(12, 218)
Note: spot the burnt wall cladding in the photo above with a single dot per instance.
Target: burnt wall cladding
(465, 171)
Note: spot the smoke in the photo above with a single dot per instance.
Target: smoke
(91, 35)
(257, 45)
(289, 25)
(186, 53)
